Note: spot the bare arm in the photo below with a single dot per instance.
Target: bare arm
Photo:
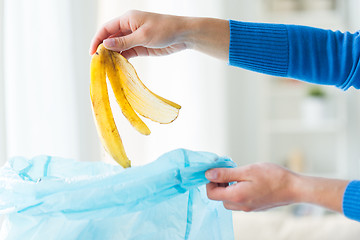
(139, 33)
(263, 186)
(321, 191)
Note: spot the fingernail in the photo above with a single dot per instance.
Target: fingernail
(109, 42)
(211, 174)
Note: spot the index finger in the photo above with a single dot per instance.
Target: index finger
(221, 193)
(116, 27)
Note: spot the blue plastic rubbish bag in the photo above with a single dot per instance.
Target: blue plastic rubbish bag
(54, 198)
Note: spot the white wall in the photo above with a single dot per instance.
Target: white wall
(244, 94)
(83, 26)
(47, 105)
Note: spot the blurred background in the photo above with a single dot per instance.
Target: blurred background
(45, 104)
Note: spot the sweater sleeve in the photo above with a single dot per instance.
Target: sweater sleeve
(351, 201)
(309, 54)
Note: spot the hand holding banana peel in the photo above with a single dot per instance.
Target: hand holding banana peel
(132, 96)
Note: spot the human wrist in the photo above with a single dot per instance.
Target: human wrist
(185, 30)
(179, 29)
(190, 29)
(300, 189)
(208, 35)
(320, 191)
(293, 181)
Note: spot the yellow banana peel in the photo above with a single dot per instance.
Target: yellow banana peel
(144, 102)
(104, 119)
(131, 95)
(114, 74)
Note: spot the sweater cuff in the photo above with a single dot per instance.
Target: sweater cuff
(351, 201)
(259, 47)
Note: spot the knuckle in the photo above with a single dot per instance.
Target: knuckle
(120, 42)
(227, 206)
(254, 167)
(210, 195)
(145, 32)
(224, 175)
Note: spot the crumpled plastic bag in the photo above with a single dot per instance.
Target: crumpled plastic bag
(53, 198)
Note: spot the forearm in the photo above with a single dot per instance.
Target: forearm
(324, 192)
(138, 33)
(209, 35)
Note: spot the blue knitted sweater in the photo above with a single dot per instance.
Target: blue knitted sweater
(309, 54)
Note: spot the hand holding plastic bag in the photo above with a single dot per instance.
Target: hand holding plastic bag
(54, 198)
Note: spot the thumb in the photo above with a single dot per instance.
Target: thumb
(223, 175)
(119, 44)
